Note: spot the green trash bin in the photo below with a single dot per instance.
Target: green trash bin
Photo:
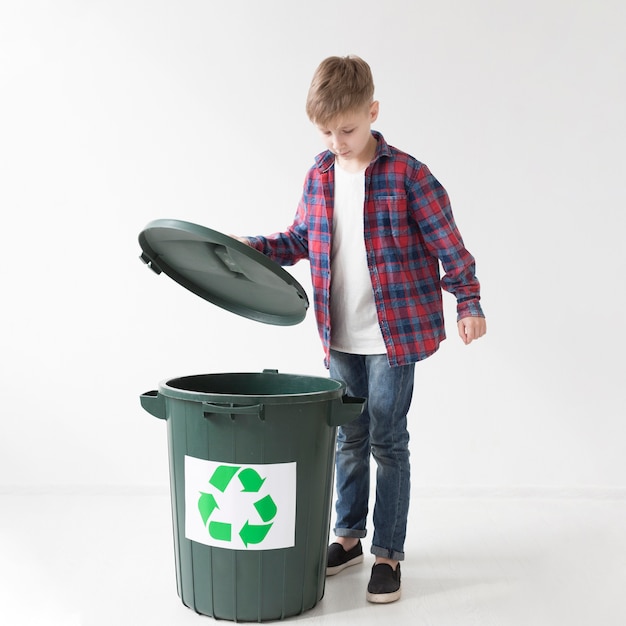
(251, 469)
(251, 454)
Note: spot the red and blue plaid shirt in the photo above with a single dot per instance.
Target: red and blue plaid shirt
(408, 229)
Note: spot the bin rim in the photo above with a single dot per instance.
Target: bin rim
(336, 389)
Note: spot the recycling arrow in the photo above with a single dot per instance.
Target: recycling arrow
(222, 476)
(220, 530)
(206, 505)
(250, 480)
(254, 533)
(266, 508)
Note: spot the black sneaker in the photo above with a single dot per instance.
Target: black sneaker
(339, 559)
(384, 585)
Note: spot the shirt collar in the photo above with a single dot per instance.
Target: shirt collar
(325, 160)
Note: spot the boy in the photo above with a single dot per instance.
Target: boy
(374, 224)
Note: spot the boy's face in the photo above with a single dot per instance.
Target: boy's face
(349, 137)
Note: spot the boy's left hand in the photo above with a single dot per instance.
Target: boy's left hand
(471, 328)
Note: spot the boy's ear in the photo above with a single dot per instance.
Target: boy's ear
(374, 111)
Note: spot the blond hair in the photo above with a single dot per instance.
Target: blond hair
(340, 85)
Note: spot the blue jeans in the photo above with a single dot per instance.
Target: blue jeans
(382, 431)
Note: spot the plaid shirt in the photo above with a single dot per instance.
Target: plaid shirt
(408, 229)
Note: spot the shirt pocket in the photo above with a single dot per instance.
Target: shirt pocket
(392, 219)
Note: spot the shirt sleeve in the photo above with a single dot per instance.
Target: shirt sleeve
(287, 247)
(433, 213)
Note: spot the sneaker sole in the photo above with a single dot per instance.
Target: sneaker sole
(382, 598)
(331, 571)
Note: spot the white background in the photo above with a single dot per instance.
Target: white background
(116, 113)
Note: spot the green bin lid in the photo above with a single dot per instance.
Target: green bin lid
(223, 271)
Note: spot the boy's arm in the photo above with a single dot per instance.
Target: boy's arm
(443, 240)
(288, 247)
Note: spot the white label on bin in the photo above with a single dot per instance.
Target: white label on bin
(240, 507)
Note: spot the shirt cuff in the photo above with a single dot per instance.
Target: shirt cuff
(469, 308)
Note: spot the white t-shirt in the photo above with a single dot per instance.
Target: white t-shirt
(354, 322)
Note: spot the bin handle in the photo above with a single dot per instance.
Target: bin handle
(231, 409)
(345, 409)
(154, 403)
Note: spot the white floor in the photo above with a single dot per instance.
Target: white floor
(92, 560)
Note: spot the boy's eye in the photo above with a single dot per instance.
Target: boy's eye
(347, 132)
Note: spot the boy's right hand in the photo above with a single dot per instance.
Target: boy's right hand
(242, 239)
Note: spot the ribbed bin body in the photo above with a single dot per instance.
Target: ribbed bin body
(247, 425)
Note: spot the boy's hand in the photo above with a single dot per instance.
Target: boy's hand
(471, 328)
(242, 239)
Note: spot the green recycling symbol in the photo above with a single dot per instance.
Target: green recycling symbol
(251, 482)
